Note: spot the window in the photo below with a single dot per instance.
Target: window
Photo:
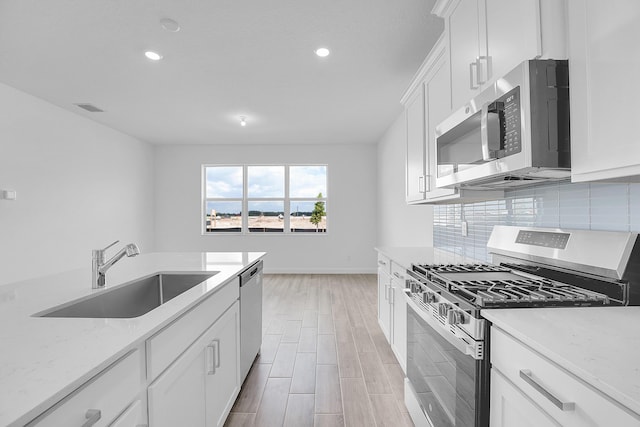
(265, 198)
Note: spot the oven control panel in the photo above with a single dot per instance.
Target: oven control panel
(545, 239)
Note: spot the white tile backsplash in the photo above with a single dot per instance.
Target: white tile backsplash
(595, 206)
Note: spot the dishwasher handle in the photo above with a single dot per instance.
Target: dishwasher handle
(250, 273)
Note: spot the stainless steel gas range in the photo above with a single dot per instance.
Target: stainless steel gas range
(447, 338)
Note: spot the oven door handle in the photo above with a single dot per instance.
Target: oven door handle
(466, 345)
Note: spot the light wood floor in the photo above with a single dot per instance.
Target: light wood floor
(324, 360)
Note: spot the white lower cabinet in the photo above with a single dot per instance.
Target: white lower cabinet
(510, 407)
(99, 401)
(199, 388)
(392, 307)
(399, 313)
(384, 304)
(528, 389)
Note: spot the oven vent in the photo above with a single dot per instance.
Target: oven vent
(90, 108)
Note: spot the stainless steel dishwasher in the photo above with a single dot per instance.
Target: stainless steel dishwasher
(250, 316)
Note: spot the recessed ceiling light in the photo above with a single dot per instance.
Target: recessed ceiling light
(243, 121)
(169, 25)
(154, 56)
(322, 52)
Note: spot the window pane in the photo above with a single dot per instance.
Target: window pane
(224, 181)
(265, 181)
(266, 216)
(302, 215)
(307, 181)
(223, 217)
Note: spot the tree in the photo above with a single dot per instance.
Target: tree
(318, 213)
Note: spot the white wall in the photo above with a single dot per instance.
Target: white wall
(80, 186)
(347, 247)
(399, 224)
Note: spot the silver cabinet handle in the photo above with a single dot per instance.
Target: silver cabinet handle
(487, 60)
(421, 184)
(395, 273)
(472, 82)
(211, 356)
(392, 294)
(386, 292)
(217, 343)
(92, 416)
(525, 374)
(381, 262)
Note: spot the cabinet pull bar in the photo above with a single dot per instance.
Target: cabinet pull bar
(421, 184)
(217, 342)
(92, 416)
(211, 364)
(525, 374)
(472, 83)
(382, 262)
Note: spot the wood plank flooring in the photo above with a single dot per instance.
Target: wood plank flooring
(324, 361)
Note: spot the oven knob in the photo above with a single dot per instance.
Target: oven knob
(443, 309)
(428, 297)
(455, 317)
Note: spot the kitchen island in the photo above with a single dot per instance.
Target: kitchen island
(45, 359)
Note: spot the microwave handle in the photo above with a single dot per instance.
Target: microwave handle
(489, 151)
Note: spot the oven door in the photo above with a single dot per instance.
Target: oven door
(450, 385)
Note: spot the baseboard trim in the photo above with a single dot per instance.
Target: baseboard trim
(320, 270)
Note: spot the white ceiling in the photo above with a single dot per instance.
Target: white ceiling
(230, 58)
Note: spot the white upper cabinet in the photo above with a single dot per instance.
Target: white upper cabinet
(427, 102)
(604, 67)
(488, 38)
(416, 155)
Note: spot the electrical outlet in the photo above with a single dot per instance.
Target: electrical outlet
(465, 229)
(8, 194)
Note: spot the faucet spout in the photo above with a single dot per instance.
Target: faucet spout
(100, 267)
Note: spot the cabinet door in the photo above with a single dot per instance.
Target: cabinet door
(438, 95)
(223, 370)
(513, 35)
(384, 308)
(604, 69)
(177, 397)
(509, 407)
(399, 309)
(464, 51)
(416, 158)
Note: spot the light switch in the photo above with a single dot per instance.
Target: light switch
(8, 194)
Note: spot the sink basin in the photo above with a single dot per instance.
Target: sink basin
(130, 300)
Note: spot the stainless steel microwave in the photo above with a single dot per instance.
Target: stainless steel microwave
(514, 133)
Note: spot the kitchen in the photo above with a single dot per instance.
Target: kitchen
(69, 172)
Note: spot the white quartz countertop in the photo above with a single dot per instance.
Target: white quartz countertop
(600, 345)
(42, 359)
(405, 256)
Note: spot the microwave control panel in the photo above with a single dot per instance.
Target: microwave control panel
(511, 134)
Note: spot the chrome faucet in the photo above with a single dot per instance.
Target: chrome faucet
(100, 267)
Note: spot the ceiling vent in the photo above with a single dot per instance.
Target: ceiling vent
(90, 108)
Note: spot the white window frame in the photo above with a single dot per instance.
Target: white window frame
(246, 199)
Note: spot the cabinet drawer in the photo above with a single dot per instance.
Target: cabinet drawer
(110, 392)
(384, 264)
(549, 386)
(398, 272)
(165, 346)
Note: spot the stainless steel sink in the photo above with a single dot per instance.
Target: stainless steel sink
(130, 300)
